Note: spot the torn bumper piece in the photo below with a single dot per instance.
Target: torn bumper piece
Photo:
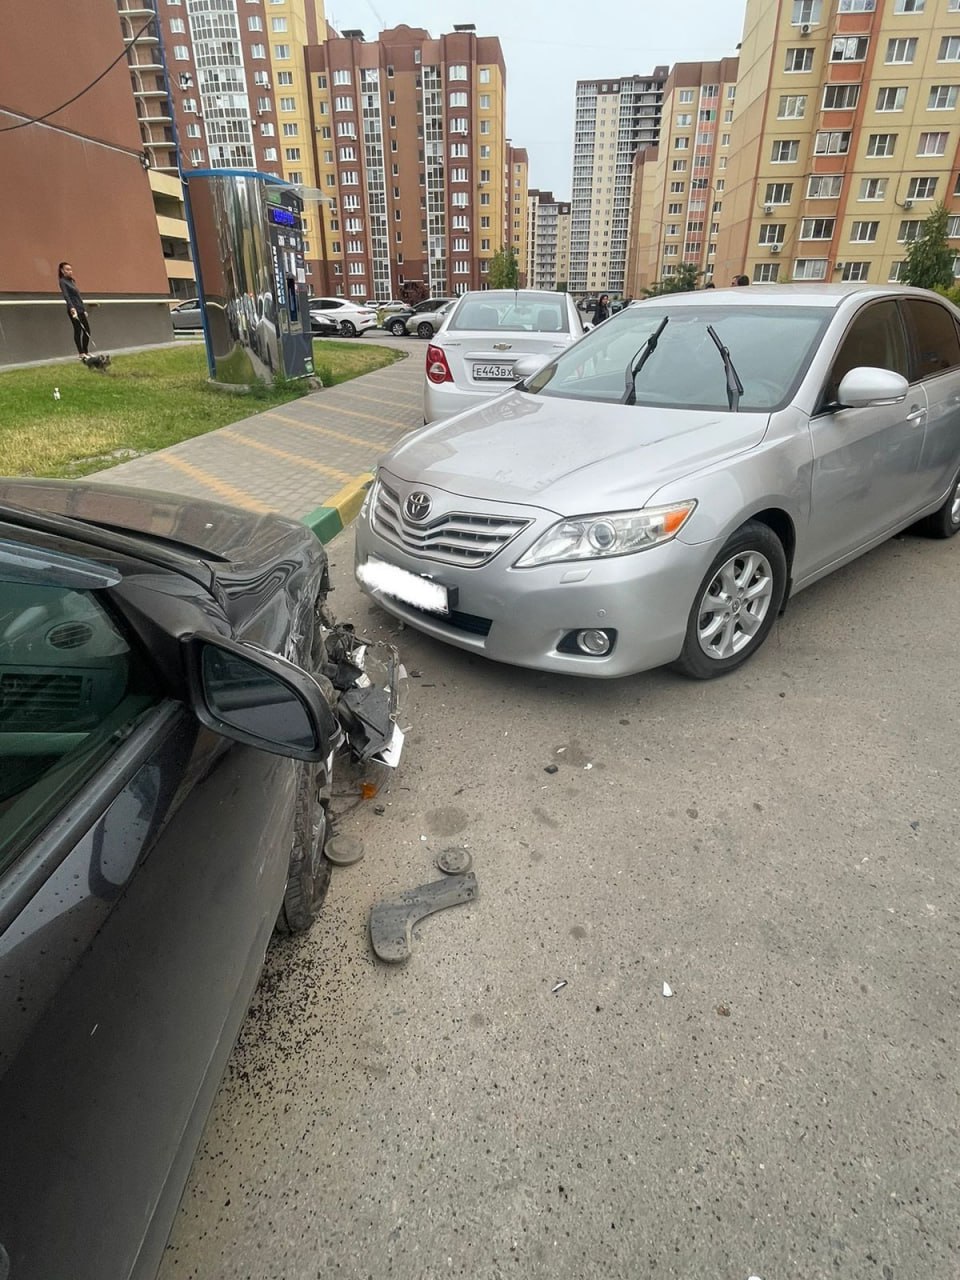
(366, 677)
(392, 921)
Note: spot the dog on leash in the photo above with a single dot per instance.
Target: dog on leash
(98, 361)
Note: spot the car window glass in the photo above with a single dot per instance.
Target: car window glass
(935, 335)
(532, 313)
(875, 340)
(70, 687)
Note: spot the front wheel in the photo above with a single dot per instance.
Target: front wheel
(736, 605)
(945, 522)
(398, 328)
(308, 876)
(348, 328)
(424, 329)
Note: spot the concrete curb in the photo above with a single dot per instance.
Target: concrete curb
(337, 512)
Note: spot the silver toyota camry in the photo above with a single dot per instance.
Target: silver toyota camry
(656, 493)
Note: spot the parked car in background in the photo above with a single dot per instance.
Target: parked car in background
(655, 493)
(397, 324)
(489, 340)
(352, 318)
(425, 323)
(167, 736)
(324, 324)
(187, 315)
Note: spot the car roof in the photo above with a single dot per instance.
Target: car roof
(515, 293)
(790, 295)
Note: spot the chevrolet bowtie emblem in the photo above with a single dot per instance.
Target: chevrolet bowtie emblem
(502, 346)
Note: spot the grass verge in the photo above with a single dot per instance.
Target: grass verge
(143, 402)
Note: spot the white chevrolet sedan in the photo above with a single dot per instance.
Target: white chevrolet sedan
(491, 339)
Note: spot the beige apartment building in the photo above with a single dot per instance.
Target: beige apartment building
(679, 186)
(846, 135)
(412, 159)
(517, 182)
(548, 240)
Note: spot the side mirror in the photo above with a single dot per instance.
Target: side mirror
(527, 366)
(252, 696)
(866, 386)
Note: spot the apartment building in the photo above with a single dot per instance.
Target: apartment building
(174, 233)
(614, 119)
(412, 159)
(548, 240)
(846, 134)
(517, 184)
(679, 186)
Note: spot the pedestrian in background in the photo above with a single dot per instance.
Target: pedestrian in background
(740, 280)
(601, 311)
(76, 308)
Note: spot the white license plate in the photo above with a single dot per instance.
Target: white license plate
(492, 372)
(410, 588)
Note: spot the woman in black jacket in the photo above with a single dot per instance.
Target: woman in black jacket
(77, 309)
(601, 311)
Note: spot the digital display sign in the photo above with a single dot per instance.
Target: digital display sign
(283, 217)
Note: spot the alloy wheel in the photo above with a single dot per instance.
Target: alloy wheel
(735, 604)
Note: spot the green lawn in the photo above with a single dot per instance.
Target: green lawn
(142, 402)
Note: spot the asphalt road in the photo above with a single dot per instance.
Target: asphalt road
(779, 847)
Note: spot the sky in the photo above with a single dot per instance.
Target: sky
(548, 47)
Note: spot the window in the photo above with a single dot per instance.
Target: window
(849, 49)
(255, 23)
(672, 229)
(288, 104)
(459, 175)
(484, 75)
(458, 100)
(792, 106)
(484, 197)
(263, 104)
(873, 189)
(785, 152)
(806, 13)
(841, 97)
(909, 230)
(675, 208)
(354, 246)
(260, 78)
(485, 222)
(728, 116)
(267, 130)
(678, 166)
(293, 176)
(772, 233)
(864, 232)
(196, 156)
(344, 103)
(932, 144)
(346, 153)
(291, 130)
(459, 200)
(684, 119)
(284, 77)
(459, 151)
(458, 124)
(676, 188)
(891, 99)
(281, 51)
(258, 51)
(778, 193)
(484, 245)
(949, 50)
(291, 153)
(178, 26)
(908, 6)
(182, 53)
(321, 82)
(724, 139)
(485, 176)
(953, 226)
(810, 269)
(881, 144)
(484, 150)
(938, 347)
(484, 126)
(342, 76)
(766, 272)
(895, 269)
(349, 178)
(193, 131)
(459, 72)
(461, 244)
(190, 106)
(921, 188)
(817, 228)
(799, 60)
(831, 142)
(901, 50)
(681, 144)
(856, 6)
(855, 271)
(671, 251)
(685, 96)
(346, 129)
(943, 97)
(357, 269)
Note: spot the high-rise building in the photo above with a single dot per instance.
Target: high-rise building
(515, 205)
(846, 135)
(412, 159)
(614, 118)
(679, 186)
(548, 240)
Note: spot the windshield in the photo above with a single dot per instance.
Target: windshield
(520, 312)
(769, 346)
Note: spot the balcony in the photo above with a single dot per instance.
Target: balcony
(158, 119)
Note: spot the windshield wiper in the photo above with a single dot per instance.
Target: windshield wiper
(639, 360)
(734, 385)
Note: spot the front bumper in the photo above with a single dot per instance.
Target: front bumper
(520, 616)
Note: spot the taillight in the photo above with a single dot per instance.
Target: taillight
(437, 368)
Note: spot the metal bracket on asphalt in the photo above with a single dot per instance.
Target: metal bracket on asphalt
(392, 921)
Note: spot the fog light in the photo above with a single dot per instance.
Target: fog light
(596, 643)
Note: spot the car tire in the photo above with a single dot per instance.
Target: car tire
(945, 522)
(748, 580)
(348, 328)
(398, 328)
(424, 329)
(308, 876)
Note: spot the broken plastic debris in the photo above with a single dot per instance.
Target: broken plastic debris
(588, 766)
(667, 989)
(559, 987)
(551, 768)
(344, 851)
(392, 921)
(390, 755)
(368, 790)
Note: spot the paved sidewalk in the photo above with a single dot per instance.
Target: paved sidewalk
(309, 458)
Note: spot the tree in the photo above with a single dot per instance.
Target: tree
(504, 270)
(686, 278)
(929, 260)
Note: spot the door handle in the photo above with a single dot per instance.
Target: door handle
(917, 415)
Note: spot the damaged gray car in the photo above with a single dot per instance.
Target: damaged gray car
(174, 700)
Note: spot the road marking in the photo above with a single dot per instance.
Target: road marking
(414, 397)
(239, 497)
(284, 455)
(325, 431)
(369, 417)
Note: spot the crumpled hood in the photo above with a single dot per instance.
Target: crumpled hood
(570, 455)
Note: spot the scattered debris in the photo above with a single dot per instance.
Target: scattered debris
(392, 921)
(551, 768)
(914, 826)
(588, 766)
(454, 862)
(56, 393)
(379, 810)
(723, 1010)
(343, 851)
(667, 989)
(559, 987)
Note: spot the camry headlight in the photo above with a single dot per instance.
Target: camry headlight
(618, 534)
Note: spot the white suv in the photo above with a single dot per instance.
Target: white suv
(353, 318)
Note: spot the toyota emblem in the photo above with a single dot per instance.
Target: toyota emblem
(417, 506)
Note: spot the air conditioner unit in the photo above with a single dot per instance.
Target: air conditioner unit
(775, 248)
(768, 209)
(805, 29)
(907, 205)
